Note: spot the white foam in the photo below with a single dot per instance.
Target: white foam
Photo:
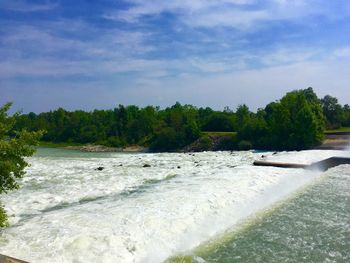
(172, 209)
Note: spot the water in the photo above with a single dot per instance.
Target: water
(313, 226)
(66, 211)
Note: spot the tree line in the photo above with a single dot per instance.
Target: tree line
(296, 121)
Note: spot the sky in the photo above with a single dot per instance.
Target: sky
(87, 54)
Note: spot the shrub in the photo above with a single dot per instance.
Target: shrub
(13, 150)
(204, 143)
(245, 145)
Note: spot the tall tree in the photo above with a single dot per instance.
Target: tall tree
(13, 149)
(333, 111)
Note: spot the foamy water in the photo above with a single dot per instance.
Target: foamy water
(66, 211)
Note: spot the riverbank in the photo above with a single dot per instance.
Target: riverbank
(335, 140)
(209, 141)
(94, 147)
(102, 148)
(6, 259)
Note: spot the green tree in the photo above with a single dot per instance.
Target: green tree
(242, 116)
(295, 122)
(346, 115)
(13, 149)
(177, 128)
(333, 111)
(219, 121)
(166, 140)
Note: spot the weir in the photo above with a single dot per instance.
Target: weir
(323, 165)
(5, 259)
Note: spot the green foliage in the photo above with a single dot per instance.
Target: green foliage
(115, 141)
(166, 140)
(295, 122)
(346, 116)
(3, 217)
(216, 133)
(242, 117)
(245, 145)
(339, 130)
(219, 121)
(13, 149)
(178, 128)
(205, 143)
(333, 111)
(226, 142)
(57, 145)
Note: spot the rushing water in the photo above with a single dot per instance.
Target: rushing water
(204, 205)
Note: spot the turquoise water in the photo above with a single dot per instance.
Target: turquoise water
(313, 226)
(63, 153)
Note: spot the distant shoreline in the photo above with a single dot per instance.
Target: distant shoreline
(93, 147)
(334, 140)
(102, 148)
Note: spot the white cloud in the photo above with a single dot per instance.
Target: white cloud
(49, 53)
(284, 55)
(253, 87)
(256, 87)
(342, 53)
(239, 14)
(46, 50)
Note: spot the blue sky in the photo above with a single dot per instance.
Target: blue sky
(86, 54)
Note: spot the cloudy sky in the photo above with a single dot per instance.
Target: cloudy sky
(86, 54)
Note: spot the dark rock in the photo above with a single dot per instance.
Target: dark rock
(179, 167)
(212, 143)
(99, 168)
(146, 165)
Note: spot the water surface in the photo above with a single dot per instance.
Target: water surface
(67, 211)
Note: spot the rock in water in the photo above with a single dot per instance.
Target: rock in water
(99, 168)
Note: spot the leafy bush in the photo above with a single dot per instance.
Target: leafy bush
(166, 140)
(245, 145)
(3, 217)
(115, 141)
(227, 143)
(204, 143)
(13, 150)
(295, 122)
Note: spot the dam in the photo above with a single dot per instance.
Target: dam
(323, 165)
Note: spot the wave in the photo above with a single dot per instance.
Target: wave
(145, 186)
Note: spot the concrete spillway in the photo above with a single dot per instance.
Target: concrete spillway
(322, 165)
(5, 259)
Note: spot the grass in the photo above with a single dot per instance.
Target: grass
(340, 130)
(219, 133)
(57, 145)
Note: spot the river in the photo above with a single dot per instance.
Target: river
(202, 207)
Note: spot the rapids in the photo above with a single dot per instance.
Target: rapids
(67, 211)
